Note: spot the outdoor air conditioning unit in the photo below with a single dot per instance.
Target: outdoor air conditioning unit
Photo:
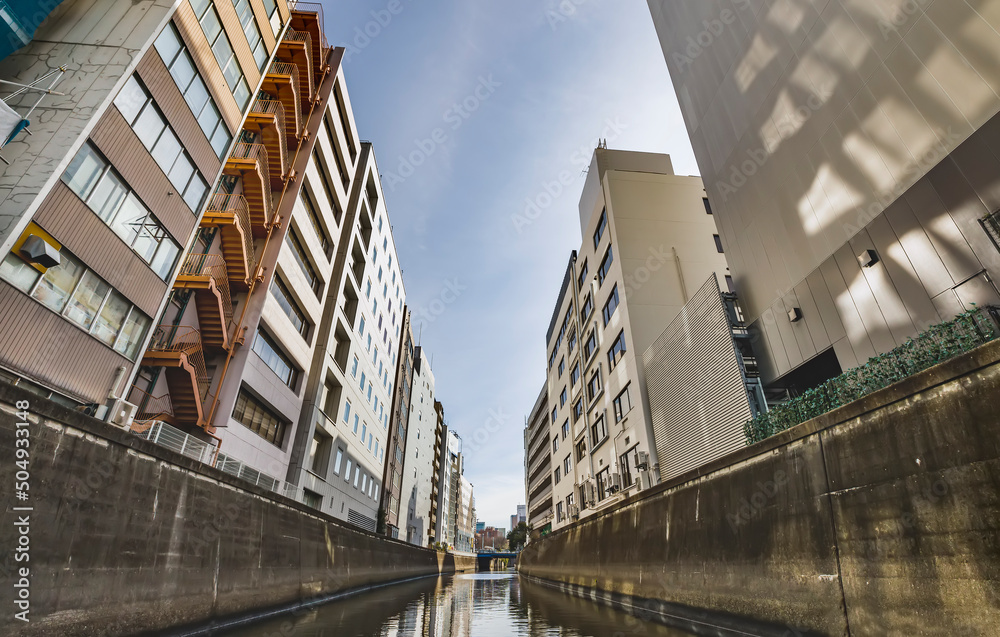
(588, 493)
(574, 511)
(644, 480)
(641, 460)
(616, 482)
(122, 413)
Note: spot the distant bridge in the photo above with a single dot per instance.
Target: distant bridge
(484, 559)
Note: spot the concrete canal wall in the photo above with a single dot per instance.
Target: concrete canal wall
(125, 536)
(880, 518)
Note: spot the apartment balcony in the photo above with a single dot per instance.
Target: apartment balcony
(249, 162)
(231, 215)
(207, 276)
(267, 117)
(282, 81)
(178, 350)
(296, 48)
(310, 20)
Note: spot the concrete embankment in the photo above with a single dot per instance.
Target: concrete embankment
(124, 536)
(879, 518)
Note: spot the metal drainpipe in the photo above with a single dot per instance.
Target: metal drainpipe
(259, 275)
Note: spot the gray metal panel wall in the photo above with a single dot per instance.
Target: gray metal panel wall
(697, 399)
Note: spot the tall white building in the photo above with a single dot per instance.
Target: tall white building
(418, 465)
(343, 429)
(649, 241)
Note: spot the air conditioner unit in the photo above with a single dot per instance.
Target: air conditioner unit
(641, 460)
(122, 413)
(616, 482)
(643, 480)
(588, 493)
(574, 511)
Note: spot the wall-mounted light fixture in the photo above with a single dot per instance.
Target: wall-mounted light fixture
(868, 258)
(795, 314)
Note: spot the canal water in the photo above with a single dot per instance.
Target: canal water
(497, 604)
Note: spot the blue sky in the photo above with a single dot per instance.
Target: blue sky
(475, 109)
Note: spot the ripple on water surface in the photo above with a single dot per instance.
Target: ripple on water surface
(464, 605)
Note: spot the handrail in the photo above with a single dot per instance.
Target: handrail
(148, 407)
(237, 205)
(214, 266)
(301, 36)
(185, 340)
(317, 8)
(291, 70)
(274, 107)
(257, 152)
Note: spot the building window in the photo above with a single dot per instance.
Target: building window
(603, 482)
(623, 403)
(562, 367)
(223, 50)
(718, 243)
(347, 472)
(574, 376)
(181, 66)
(571, 343)
(587, 308)
(140, 111)
(347, 411)
(562, 397)
(590, 345)
(594, 385)
(598, 431)
(338, 461)
(577, 410)
(259, 418)
(552, 358)
(610, 305)
(625, 467)
(565, 429)
(82, 297)
(602, 223)
(567, 464)
(310, 206)
(554, 410)
(730, 284)
(354, 367)
(602, 273)
(271, 7)
(288, 305)
(559, 505)
(319, 454)
(100, 186)
(708, 206)
(274, 358)
(581, 450)
(555, 444)
(292, 241)
(245, 15)
(617, 350)
(582, 279)
(556, 474)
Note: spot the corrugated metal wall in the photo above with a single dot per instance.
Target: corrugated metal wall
(697, 399)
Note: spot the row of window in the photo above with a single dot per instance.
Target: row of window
(191, 85)
(82, 297)
(208, 17)
(259, 418)
(140, 111)
(100, 186)
(367, 484)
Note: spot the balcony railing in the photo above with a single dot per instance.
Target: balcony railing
(149, 407)
(257, 153)
(991, 224)
(291, 70)
(213, 266)
(187, 341)
(275, 108)
(300, 36)
(317, 8)
(237, 206)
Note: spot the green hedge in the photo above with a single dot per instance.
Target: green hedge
(939, 343)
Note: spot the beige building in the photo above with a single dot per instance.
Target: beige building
(538, 464)
(649, 241)
(850, 153)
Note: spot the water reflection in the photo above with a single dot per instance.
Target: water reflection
(473, 605)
